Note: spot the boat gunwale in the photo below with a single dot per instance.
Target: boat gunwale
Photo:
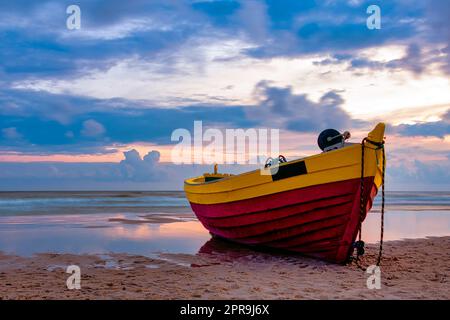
(346, 148)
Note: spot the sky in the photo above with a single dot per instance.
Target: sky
(95, 107)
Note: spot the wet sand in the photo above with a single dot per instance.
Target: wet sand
(411, 269)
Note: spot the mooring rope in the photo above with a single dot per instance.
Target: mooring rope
(380, 253)
(359, 245)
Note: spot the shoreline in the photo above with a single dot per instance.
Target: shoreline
(410, 269)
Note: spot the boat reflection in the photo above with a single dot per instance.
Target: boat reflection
(218, 246)
(227, 251)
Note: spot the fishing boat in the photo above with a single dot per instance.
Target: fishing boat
(314, 206)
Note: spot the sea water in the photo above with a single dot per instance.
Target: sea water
(157, 222)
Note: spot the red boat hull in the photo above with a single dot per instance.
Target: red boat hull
(319, 221)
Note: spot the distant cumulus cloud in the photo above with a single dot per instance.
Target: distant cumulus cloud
(132, 173)
(92, 128)
(141, 169)
(132, 169)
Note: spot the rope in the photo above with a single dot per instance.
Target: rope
(359, 245)
(361, 193)
(380, 252)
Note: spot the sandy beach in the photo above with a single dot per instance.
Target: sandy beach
(411, 269)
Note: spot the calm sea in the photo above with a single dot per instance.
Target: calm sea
(156, 222)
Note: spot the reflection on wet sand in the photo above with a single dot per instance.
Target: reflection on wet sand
(150, 231)
(407, 225)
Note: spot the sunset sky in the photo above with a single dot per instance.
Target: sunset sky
(95, 108)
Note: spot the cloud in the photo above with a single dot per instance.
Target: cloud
(48, 123)
(11, 133)
(132, 169)
(281, 108)
(64, 124)
(35, 44)
(338, 28)
(92, 128)
(137, 169)
(308, 27)
(428, 175)
(132, 173)
(437, 128)
(436, 14)
(73, 124)
(416, 59)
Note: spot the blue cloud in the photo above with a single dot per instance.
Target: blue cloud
(429, 176)
(46, 123)
(333, 27)
(34, 42)
(437, 129)
(282, 108)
